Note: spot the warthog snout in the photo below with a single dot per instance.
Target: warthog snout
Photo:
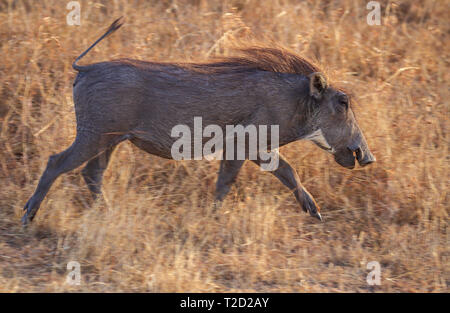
(364, 157)
(362, 152)
(357, 150)
(347, 157)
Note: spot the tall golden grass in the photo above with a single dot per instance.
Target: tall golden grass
(155, 231)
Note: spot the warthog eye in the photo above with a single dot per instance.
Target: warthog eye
(343, 100)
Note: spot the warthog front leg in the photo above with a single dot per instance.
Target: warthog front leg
(289, 177)
(228, 172)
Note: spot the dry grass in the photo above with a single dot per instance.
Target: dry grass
(156, 232)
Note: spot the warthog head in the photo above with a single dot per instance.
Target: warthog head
(333, 124)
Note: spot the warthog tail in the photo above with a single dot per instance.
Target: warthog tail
(114, 26)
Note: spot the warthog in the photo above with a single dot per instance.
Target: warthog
(142, 101)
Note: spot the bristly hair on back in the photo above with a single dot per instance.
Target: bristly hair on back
(258, 57)
(244, 58)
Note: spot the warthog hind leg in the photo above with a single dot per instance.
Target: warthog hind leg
(93, 171)
(86, 146)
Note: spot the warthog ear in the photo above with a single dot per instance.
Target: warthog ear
(317, 85)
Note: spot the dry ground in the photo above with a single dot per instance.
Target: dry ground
(156, 232)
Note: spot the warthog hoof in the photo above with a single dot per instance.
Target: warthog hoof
(309, 205)
(30, 208)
